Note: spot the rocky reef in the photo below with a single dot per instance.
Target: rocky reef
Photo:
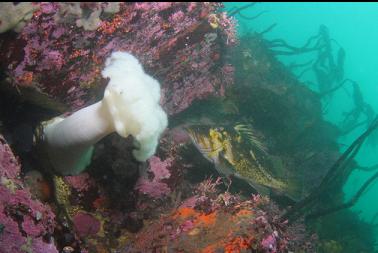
(59, 53)
(177, 201)
(212, 221)
(27, 224)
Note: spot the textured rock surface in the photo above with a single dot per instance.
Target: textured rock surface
(59, 54)
(26, 223)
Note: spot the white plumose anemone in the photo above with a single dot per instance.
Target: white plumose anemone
(130, 107)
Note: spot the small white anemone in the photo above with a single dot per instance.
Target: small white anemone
(130, 107)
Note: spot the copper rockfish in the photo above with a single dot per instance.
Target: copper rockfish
(234, 150)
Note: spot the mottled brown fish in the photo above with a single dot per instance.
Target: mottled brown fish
(234, 150)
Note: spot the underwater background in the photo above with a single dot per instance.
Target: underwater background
(188, 127)
(352, 26)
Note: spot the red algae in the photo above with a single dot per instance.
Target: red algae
(64, 49)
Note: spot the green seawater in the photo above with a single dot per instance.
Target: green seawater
(354, 27)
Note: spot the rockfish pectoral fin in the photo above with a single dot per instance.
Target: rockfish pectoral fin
(224, 167)
(261, 189)
(290, 190)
